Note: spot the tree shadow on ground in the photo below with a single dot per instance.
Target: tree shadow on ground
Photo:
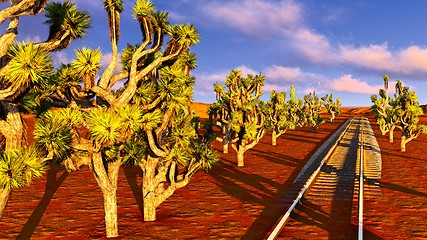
(277, 158)
(402, 189)
(52, 185)
(132, 173)
(244, 186)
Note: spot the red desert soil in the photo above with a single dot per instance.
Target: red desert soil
(228, 202)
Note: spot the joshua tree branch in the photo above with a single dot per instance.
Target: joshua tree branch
(104, 82)
(20, 8)
(55, 43)
(116, 78)
(151, 105)
(153, 146)
(8, 37)
(108, 96)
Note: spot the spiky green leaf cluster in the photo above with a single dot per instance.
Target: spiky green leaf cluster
(65, 17)
(135, 151)
(88, 62)
(207, 157)
(28, 65)
(175, 88)
(151, 120)
(54, 129)
(18, 167)
(142, 8)
(182, 131)
(107, 127)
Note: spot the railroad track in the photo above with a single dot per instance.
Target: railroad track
(328, 186)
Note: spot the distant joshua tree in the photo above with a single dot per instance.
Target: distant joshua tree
(312, 107)
(333, 108)
(239, 112)
(283, 115)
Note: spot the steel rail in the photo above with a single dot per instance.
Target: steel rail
(273, 235)
(361, 140)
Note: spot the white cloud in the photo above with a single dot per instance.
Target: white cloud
(286, 19)
(287, 74)
(373, 56)
(314, 46)
(294, 75)
(33, 39)
(106, 59)
(253, 17)
(61, 57)
(349, 84)
(205, 81)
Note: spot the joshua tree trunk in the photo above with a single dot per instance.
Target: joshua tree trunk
(274, 137)
(383, 128)
(391, 133)
(224, 143)
(149, 185)
(240, 157)
(12, 127)
(314, 128)
(276, 134)
(225, 148)
(4, 196)
(158, 184)
(107, 181)
(403, 142)
(332, 116)
(110, 208)
(150, 207)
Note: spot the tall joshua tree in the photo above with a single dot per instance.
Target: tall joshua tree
(174, 154)
(24, 69)
(408, 111)
(385, 111)
(244, 110)
(144, 123)
(332, 107)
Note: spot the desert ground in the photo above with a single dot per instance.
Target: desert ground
(228, 202)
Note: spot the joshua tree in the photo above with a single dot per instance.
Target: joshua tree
(220, 117)
(332, 107)
(385, 111)
(312, 106)
(173, 152)
(277, 116)
(147, 122)
(25, 68)
(408, 111)
(283, 115)
(240, 108)
(296, 109)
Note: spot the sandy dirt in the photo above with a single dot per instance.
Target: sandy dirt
(228, 202)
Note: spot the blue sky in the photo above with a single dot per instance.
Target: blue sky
(338, 46)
